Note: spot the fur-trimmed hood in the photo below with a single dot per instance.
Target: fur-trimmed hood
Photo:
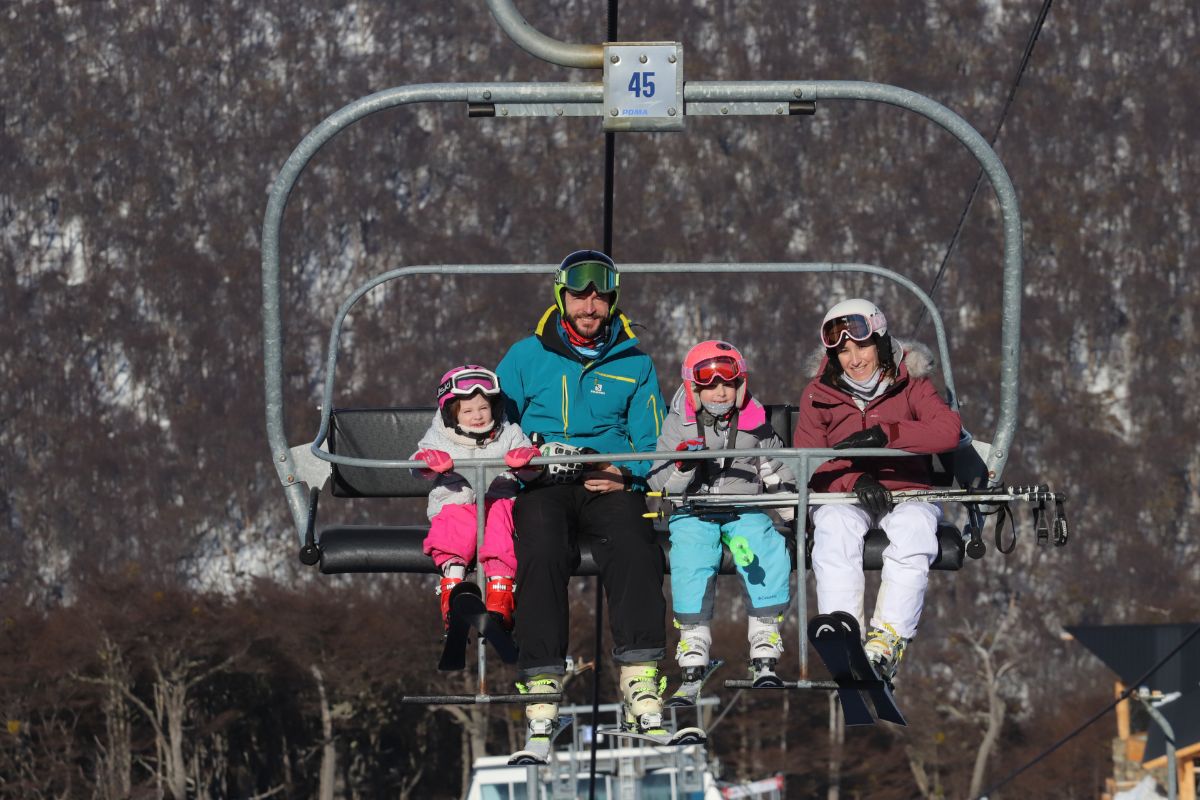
(917, 358)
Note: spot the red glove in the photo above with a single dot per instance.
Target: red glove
(521, 456)
(691, 445)
(437, 460)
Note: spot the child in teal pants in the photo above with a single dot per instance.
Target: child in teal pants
(713, 410)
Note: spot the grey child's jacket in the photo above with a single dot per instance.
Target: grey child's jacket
(754, 475)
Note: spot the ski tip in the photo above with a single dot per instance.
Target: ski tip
(525, 759)
(837, 623)
(770, 682)
(820, 629)
(847, 620)
(688, 736)
(465, 587)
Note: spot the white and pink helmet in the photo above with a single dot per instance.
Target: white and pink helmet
(711, 361)
(857, 319)
(464, 381)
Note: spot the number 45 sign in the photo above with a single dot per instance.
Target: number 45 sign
(643, 86)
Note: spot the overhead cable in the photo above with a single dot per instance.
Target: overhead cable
(1012, 93)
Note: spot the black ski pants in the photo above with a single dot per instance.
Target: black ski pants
(549, 522)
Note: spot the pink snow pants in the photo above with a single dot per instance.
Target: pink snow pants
(452, 537)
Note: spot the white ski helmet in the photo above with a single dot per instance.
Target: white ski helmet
(856, 318)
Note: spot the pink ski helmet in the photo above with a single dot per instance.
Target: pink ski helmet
(465, 381)
(711, 361)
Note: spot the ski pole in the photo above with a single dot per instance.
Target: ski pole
(999, 494)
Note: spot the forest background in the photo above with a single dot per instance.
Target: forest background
(160, 638)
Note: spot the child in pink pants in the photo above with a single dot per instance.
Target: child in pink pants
(470, 423)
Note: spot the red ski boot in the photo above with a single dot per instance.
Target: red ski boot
(443, 592)
(500, 599)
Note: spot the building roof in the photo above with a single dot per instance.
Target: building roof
(1130, 650)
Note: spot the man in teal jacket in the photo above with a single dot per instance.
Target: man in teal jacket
(581, 381)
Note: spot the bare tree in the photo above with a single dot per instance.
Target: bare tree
(115, 768)
(992, 667)
(328, 748)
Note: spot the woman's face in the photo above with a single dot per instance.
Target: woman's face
(858, 360)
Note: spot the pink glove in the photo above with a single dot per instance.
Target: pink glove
(437, 460)
(521, 456)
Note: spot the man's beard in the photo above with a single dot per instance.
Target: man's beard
(574, 322)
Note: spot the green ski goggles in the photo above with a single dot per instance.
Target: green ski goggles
(579, 276)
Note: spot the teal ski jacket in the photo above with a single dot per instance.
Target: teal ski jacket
(611, 404)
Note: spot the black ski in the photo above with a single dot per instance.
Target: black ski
(538, 748)
(831, 638)
(689, 691)
(862, 670)
(679, 738)
(454, 650)
(469, 605)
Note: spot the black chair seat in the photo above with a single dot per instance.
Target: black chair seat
(397, 548)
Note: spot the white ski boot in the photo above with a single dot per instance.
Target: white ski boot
(641, 689)
(884, 649)
(692, 655)
(542, 721)
(766, 645)
(692, 651)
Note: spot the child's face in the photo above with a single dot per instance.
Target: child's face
(475, 411)
(718, 392)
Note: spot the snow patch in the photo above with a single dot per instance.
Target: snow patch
(1147, 789)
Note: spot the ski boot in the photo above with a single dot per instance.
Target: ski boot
(541, 718)
(445, 586)
(766, 645)
(885, 648)
(692, 651)
(692, 657)
(641, 689)
(500, 599)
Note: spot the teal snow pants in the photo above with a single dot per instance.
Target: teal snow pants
(696, 558)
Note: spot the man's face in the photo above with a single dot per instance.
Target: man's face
(586, 311)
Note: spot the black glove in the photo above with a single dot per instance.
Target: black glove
(874, 499)
(871, 437)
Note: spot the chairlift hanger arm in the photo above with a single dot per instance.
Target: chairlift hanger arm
(528, 38)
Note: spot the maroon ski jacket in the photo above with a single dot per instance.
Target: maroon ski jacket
(911, 413)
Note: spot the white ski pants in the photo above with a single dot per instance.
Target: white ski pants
(837, 558)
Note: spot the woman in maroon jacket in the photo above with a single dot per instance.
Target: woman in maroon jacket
(870, 391)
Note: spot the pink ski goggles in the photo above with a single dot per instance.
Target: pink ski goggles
(466, 382)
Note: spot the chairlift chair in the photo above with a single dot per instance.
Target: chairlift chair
(363, 452)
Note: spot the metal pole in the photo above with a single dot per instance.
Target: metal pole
(610, 162)
(1168, 739)
(480, 488)
(800, 469)
(533, 41)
